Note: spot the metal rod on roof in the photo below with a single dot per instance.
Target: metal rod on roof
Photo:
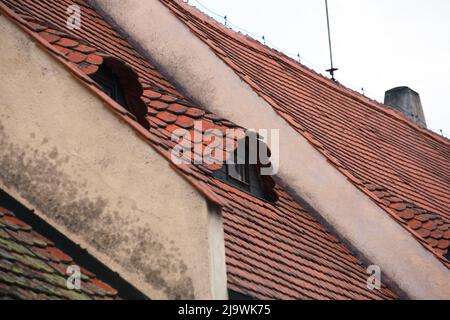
(332, 69)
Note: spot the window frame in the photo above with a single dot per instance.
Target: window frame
(110, 84)
(244, 177)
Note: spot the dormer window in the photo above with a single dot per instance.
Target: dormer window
(240, 170)
(110, 84)
(245, 175)
(447, 255)
(121, 83)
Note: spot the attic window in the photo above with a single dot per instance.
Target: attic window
(121, 83)
(240, 171)
(240, 174)
(245, 175)
(110, 84)
(447, 255)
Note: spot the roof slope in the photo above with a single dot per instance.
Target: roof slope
(405, 169)
(33, 268)
(273, 251)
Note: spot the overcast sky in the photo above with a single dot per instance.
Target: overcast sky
(377, 44)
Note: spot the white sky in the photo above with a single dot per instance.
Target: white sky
(377, 44)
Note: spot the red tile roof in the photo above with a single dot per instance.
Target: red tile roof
(404, 168)
(273, 250)
(33, 268)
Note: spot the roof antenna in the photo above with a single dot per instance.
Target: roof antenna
(332, 69)
(226, 20)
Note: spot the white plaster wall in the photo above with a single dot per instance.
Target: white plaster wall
(89, 175)
(217, 253)
(189, 62)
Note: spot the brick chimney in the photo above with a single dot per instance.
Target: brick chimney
(406, 101)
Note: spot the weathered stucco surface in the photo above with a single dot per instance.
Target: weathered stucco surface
(217, 253)
(87, 173)
(203, 76)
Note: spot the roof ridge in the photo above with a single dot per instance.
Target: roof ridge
(265, 49)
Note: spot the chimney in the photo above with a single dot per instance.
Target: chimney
(407, 101)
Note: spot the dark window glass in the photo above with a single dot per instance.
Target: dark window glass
(239, 172)
(447, 255)
(110, 84)
(243, 175)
